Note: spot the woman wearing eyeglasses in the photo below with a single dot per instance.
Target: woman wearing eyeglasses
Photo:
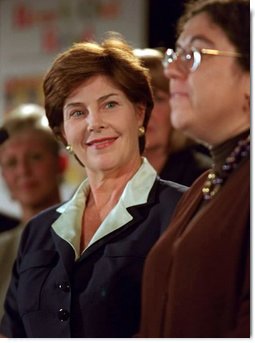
(196, 278)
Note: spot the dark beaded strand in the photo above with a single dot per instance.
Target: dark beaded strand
(215, 181)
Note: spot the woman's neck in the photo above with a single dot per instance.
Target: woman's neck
(106, 188)
(222, 151)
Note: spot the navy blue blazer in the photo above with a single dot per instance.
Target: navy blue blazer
(51, 295)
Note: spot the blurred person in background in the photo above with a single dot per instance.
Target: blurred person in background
(30, 160)
(83, 261)
(32, 168)
(175, 156)
(197, 276)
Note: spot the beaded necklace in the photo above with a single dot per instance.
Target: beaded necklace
(215, 181)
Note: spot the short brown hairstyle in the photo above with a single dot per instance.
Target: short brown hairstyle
(113, 58)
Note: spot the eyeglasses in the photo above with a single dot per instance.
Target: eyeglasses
(191, 60)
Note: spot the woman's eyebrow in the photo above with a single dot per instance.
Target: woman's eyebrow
(72, 104)
(200, 38)
(105, 97)
(100, 99)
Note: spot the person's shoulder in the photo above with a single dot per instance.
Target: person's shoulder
(41, 223)
(195, 190)
(169, 191)
(171, 185)
(8, 222)
(39, 229)
(46, 216)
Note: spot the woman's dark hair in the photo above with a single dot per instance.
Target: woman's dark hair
(113, 58)
(232, 16)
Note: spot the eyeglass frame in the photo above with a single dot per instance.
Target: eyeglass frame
(197, 56)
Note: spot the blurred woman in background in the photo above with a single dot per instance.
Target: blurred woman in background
(30, 159)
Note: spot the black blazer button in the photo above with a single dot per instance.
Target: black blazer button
(64, 286)
(63, 315)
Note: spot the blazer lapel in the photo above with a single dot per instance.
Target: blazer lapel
(132, 225)
(65, 251)
(138, 212)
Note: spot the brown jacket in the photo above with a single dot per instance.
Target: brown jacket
(196, 279)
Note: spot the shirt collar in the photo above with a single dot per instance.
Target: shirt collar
(136, 192)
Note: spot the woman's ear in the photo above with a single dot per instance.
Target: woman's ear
(140, 111)
(247, 102)
(60, 135)
(247, 92)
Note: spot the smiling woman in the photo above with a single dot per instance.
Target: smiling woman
(85, 258)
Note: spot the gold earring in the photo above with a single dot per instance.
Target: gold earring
(141, 131)
(69, 149)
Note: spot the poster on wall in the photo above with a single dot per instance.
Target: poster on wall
(55, 25)
(59, 23)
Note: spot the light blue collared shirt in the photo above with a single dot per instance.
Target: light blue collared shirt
(69, 224)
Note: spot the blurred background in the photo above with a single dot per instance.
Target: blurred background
(33, 32)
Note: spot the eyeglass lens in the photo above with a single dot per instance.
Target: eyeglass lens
(188, 60)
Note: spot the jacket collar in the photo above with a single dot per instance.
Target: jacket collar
(136, 192)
